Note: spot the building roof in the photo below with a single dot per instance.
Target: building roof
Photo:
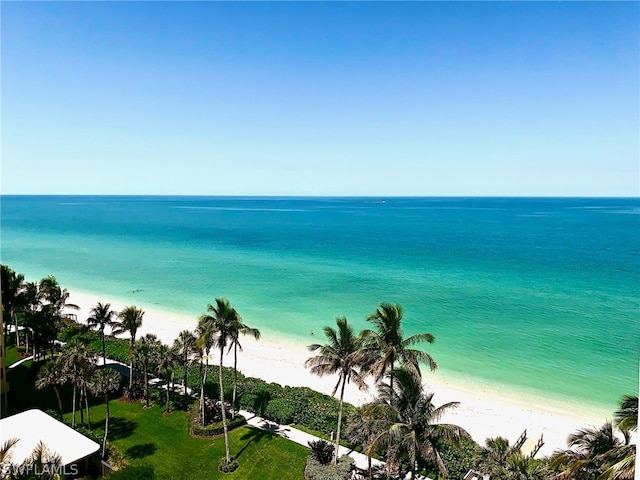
(33, 426)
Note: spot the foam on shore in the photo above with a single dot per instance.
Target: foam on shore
(481, 411)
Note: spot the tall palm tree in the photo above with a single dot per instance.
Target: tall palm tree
(56, 301)
(222, 316)
(12, 284)
(166, 367)
(342, 355)
(386, 345)
(77, 361)
(130, 321)
(101, 316)
(52, 374)
(205, 338)
(408, 424)
(104, 382)
(146, 349)
(31, 303)
(185, 345)
(235, 330)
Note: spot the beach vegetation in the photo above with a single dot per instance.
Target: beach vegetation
(222, 318)
(343, 470)
(52, 374)
(130, 320)
(104, 382)
(340, 355)
(101, 317)
(407, 421)
(236, 328)
(147, 353)
(385, 346)
(185, 347)
(604, 453)
(12, 289)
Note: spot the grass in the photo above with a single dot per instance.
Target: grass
(13, 355)
(149, 437)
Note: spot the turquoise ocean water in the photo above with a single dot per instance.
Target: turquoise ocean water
(541, 296)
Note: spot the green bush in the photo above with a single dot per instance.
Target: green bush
(322, 451)
(142, 472)
(314, 470)
(225, 467)
(213, 429)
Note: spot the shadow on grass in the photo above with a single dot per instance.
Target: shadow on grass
(121, 428)
(254, 435)
(141, 450)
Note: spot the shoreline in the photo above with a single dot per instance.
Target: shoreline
(482, 412)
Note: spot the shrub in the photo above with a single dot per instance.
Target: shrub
(229, 467)
(322, 451)
(137, 389)
(316, 471)
(141, 472)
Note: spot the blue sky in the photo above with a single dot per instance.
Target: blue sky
(423, 98)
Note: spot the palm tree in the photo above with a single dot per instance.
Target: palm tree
(222, 316)
(185, 345)
(104, 382)
(101, 317)
(56, 299)
(146, 350)
(52, 374)
(77, 360)
(386, 345)
(166, 368)
(361, 429)
(204, 342)
(626, 417)
(44, 461)
(130, 321)
(409, 423)
(237, 328)
(342, 355)
(12, 284)
(30, 302)
(586, 457)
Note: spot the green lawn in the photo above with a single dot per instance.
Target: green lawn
(12, 356)
(149, 437)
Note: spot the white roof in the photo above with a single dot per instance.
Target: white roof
(33, 426)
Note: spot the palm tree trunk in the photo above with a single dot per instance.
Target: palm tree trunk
(168, 386)
(73, 407)
(80, 406)
(335, 455)
(146, 383)
(235, 379)
(104, 350)
(186, 371)
(15, 319)
(441, 466)
(369, 470)
(201, 392)
(131, 367)
(55, 389)
(106, 424)
(224, 415)
(86, 404)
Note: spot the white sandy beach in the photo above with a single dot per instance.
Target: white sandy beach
(482, 413)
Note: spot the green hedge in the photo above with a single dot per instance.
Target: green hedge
(315, 471)
(216, 429)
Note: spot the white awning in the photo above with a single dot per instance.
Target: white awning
(35, 426)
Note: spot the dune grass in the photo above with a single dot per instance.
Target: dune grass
(146, 436)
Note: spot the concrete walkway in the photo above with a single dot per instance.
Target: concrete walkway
(303, 438)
